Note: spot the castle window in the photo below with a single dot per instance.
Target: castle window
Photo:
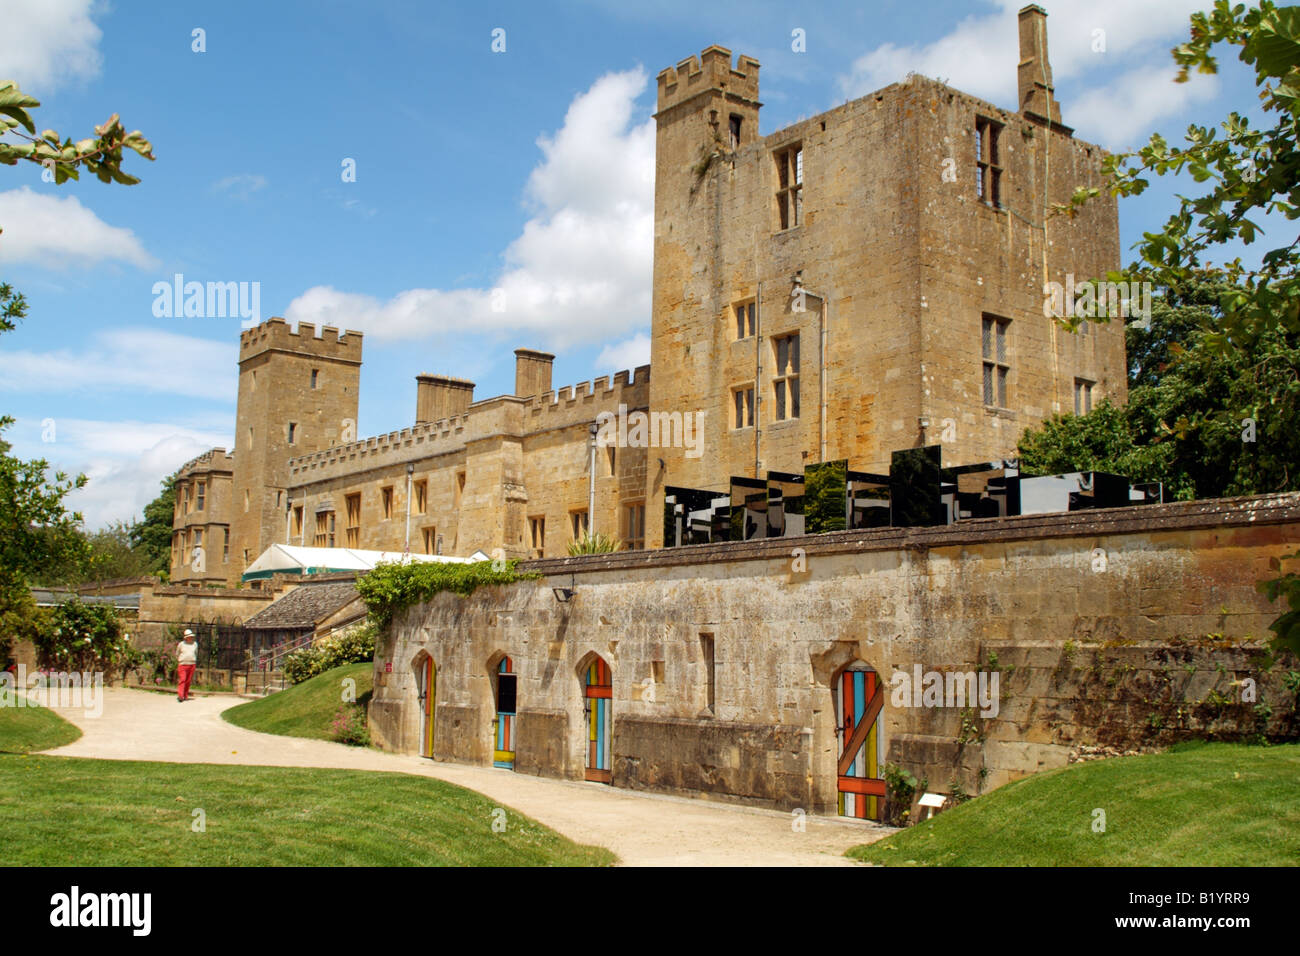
(245, 501)
(324, 529)
(293, 427)
(789, 186)
(745, 316)
(996, 364)
(200, 495)
(609, 451)
(250, 436)
(785, 381)
(225, 545)
(743, 400)
(297, 522)
(460, 486)
(386, 498)
(580, 522)
(352, 532)
(315, 373)
(421, 497)
(707, 652)
(988, 171)
(634, 525)
(1082, 396)
(735, 131)
(430, 538)
(537, 531)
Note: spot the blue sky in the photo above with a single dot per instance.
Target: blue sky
(528, 173)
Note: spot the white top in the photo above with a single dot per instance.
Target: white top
(187, 652)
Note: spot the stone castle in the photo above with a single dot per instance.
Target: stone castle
(864, 281)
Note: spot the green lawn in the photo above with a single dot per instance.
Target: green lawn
(27, 729)
(306, 709)
(66, 811)
(1206, 805)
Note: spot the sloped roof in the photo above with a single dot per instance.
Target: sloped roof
(295, 559)
(305, 606)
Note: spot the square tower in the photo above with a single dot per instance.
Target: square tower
(297, 395)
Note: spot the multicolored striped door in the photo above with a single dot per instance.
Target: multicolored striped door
(598, 695)
(860, 697)
(503, 728)
(428, 692)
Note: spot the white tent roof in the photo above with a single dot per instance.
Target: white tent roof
(294, 559)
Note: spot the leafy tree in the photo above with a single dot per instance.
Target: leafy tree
(152, 536)
(100, 154)
(38, 536)
(1205, 421)
(1249, 172)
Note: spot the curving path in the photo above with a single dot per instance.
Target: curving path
(642, 829)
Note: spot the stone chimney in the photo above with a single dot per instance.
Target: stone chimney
(532, 372)
(438, 397)
(1034, 74)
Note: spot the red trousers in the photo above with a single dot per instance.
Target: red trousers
(184, 674)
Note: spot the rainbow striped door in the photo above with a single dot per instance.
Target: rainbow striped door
(503, 753)
(598, 695)
(860, 698)
(428, 691)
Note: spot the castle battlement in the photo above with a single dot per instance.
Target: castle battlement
(711, 70)
(406, 444)
(214, 459)
(275, 333)
(591, 397)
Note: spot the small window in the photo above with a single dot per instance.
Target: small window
(785, 379)
(325, 529)
(707, 653)
(297, 522)
(386, 499)
(988, 169)
(744, 313)
(579, 522)
(634, 525)
(993, 345)
(460, 486)
(315, 373)
(352, 531)
(293, 428)
(225, 545)
(1083, 396)
(789, 187)
(250, 436)
(421, 497)
(245, 501)
(609, 452)
(537, 532)
(430, 540)
(734, 126)
(200, 495)
(743, 402)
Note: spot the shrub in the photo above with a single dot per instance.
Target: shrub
(349, 726)
(352, 646)
(595, 544)
(900, 788)
(389, 589)
(82, 637)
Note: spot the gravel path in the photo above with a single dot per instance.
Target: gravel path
(642, 829)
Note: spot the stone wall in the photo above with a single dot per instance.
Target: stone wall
(1148, 591)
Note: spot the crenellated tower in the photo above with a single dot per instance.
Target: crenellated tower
(297, 395)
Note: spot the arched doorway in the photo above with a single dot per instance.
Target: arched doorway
(426, 682)
(859, 699)
(597, 707)
(505, 688)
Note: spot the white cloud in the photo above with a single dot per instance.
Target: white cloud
(1146, 95)
(579, 272)
(240, 187)
(140, 359)
(979, 56)
(124, 461)
(55, 232)
(46, 42)
(628, 354)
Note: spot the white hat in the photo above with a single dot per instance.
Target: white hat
(188, 633)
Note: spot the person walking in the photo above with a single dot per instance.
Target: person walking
(187, 657)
